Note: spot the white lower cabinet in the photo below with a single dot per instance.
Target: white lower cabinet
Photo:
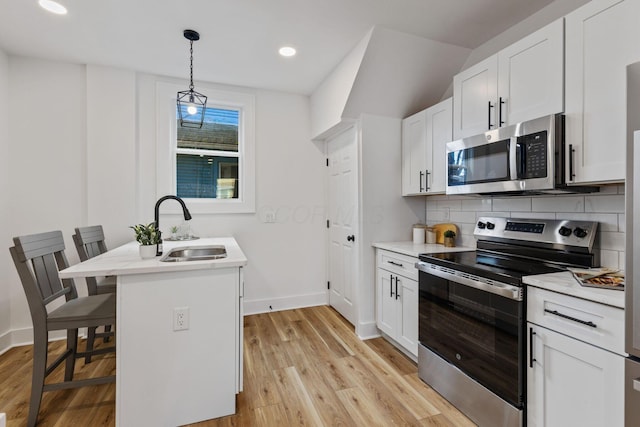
(573, 382)
(397, 299)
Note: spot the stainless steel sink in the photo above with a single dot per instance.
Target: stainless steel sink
(195, 253)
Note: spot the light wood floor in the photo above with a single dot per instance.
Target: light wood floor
(302, 367)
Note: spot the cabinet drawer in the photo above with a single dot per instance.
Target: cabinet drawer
(597, 324)
(399, 264)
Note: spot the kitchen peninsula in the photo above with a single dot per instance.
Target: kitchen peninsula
(178, 333)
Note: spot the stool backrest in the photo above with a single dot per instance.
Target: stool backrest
(89, 241)
(38, 258)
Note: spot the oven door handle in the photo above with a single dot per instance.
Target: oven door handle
(497, 288)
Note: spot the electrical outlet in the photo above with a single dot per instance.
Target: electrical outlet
(180, 318)
(270, 217)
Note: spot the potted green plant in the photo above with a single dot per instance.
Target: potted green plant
(174, 232)
(148, 237)
(449, 238)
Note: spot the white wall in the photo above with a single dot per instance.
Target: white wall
(46, 157)
(111, 151)
(5, 261)
(605, 207)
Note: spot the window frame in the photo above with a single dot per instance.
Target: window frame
(167, 148)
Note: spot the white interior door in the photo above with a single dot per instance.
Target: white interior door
(343, 220)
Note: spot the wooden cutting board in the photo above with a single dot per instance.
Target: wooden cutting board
(441, 228)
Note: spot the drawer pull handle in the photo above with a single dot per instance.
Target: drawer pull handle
(397, 264)
(564, 316)
(531, 358)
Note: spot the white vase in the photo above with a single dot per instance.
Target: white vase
(147, 251)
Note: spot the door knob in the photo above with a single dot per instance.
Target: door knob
(351, 238)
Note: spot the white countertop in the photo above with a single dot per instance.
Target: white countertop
(411, 249)
(564, 283)
(126, 259)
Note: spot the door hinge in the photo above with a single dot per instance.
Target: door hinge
(328, 285)
(327, 223)
(327, 161)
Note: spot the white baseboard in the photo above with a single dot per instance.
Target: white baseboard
(284, 303)
(24, 336)
(367, 330)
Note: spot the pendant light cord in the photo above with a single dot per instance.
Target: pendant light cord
(191, 66)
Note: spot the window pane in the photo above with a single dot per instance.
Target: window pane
(219, 131)
(213, 177)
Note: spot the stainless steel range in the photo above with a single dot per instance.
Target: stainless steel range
(472, 311)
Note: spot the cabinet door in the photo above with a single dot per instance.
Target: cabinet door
(530, 76)
(387, 313)
(408, 314)
(601, 40)
(439, 132)
(571, 383)
(414, 153)
(475, 93)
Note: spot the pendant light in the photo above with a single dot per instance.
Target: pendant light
(191, 104)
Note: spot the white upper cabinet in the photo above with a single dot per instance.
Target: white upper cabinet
(601, 40)
(475, 92)
(424, 136)
(414, 153)
(523, 81)
(530, 76)
(439, 132)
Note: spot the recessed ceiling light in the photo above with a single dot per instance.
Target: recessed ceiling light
(53, 7)
(287, 51)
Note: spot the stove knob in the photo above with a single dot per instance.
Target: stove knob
(580, 232)
(490, 225)
(564, 231)
(481, 225)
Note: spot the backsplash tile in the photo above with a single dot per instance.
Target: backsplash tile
(605, 207)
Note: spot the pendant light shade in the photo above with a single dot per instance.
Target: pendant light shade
(191, 104)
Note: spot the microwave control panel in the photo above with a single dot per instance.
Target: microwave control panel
(531, 155)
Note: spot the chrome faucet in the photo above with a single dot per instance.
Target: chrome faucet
(156, 218)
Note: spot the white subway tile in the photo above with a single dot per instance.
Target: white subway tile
(621, 189)
(534, 215)
(622, 223)
(558, 204)
(465, 217)
(609, 259)
(621, 260)
(611, 240)
(467, 229)
(604, 203)
(476, 204)
(512, 204)
(434, 216)
(496, 214)
(450, 204)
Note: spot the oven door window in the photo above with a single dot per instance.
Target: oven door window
(476, 331)
(484, 163)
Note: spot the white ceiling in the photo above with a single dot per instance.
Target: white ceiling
(240, 38)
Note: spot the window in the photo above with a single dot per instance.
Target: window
(212, 168)
(207, 158)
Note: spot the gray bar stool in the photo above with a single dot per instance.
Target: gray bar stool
(38, 258)
(89, 242)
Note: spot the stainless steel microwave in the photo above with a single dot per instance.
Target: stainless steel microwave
(524, 158)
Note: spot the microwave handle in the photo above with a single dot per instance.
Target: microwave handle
(513, 164)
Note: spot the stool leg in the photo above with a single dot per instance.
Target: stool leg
(40, 344)
(91, 337)
(107, 328)
(72, 344)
